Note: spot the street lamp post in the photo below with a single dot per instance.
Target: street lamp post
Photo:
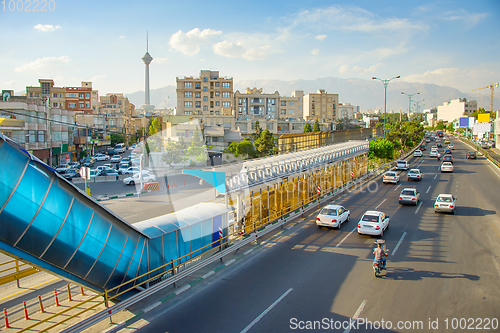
(409, 102)
(385, 82)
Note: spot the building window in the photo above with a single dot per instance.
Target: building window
(87, 95)
(217, 103)
(283, 111)
(205, 79)
(291, 103)
(72, 105)
(205, 89)
(226, 94)
(81, 105)
(188, 94)
(283, 103)
(217, 94)
(198, 85)
(72, 95)
(81, 95)
(216, 84)
(240, 101)
(205, 98)
(54, 105)
(188, 104)
(197, 95)
(54, 95)
(271, 101)
(188, 84)
(87, 105)
(198, 104)
(291, 111)
(188, 112)
(226, 84)
(226, 104)
(205, 108)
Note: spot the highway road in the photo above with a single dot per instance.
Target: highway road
(443, 270)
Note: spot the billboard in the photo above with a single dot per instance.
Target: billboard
(482, 128)
(464, 122)
(483, 118)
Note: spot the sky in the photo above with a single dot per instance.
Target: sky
(450, 43)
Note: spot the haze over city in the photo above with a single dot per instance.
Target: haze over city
(448, 43)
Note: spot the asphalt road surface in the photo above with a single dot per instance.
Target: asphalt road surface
(443, 271)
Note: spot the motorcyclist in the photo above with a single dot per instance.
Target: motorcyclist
(380, 253)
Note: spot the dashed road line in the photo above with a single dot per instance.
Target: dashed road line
(420, 205)
(356, 315)
(428, 189)
(435, 176)
(397, 187)
(343, 239)
(399, 243)
(380, 204)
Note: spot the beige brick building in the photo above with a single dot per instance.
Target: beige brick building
(255, 104)
(345, 110)
(205, 95)
(321, 105)
(292, 107)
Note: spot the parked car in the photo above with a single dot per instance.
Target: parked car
(107, 172)
(74, 165)
(110, 152)
(417, 153)
(116, 159)
(448, 158)
(390, 177)
(409, 196)
(70, 174)
(123, 168)
(136, 178)
(131, 171)
(415, 174)
(445, 203)
(88, 162)
(373, 223)
(62, 168)
(332, 216)
(402, 165)
(102, 157)
(472, 155)
(446, 167)
(132, 147)
(101, 168)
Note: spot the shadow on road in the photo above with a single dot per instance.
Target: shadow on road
(411, 274)
(473, 211)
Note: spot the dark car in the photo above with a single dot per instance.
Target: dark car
(422, 147)
(110, 152)
(89, 162)
(448, 158)
(447, 151)
(472, 154)
(71, 174)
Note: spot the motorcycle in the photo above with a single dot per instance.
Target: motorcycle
(377, 264)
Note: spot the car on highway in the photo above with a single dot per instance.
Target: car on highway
(471, 155)
(446, 167)
(136, 178)
(428, 140)
(102, 157)
(447, 151)
(116, 159)
(409, 196)
(415, 174)
(417, 153)
(446, 141)
(402, 165)
(332, 216)
(62, 168)
(373, 223)
(390, 177)
(451, 146)
(448, 158)
(445, 203)
(439, 144)
(433, 153)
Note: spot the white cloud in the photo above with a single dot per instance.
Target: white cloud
(320, 37)
(346, 69)
(43, 65)
(190, 42)
(46, 27)
(315, 52)
(229, 49)
(260, 53)
(468, 18)
(160, 60)
(122, 37)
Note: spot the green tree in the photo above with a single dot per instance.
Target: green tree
(258, 131)
(197, 149)
(440, 126)
(450, 128)
(307, 128)
(244, 148)
(155, 126)
(174, 153)
(117, 138)
(265, 145)
(316, 126)
(381, 148)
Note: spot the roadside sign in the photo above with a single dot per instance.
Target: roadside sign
(85, 173)
(319, 188)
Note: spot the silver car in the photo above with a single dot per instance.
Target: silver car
(391, 177)
(333, 216)
(445, 203)
(409, 196)
(446, 167)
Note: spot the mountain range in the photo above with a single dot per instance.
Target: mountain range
(368, 94)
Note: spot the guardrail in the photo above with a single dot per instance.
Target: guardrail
(483, 151)
(14, 270)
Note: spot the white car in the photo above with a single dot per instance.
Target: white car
(417, 153)
(409, 196)
(414, 174)
(433, 153)
(131, 170)
(451, 146)
(446, 167)
(402, 165)
(136, 178)
(373, 223)
(116, 159)
(102, 157)
(391, 177)
(62, 168)
(445, 203)
(332, 216)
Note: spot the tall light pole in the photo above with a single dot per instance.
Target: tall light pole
(385, 82)
(409, 102)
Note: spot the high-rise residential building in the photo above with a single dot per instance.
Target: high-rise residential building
(255, 104)
(76, 99)
(345, 111)
(205, 95)
(292, 107)
(455, 109)
(113, 103)
(321, 106)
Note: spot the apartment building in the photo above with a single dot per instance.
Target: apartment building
(80, 100)
(255, 104)
(44, 131)
(345, 111)
(320, 105)
(113, 103)
(455, 109)
(208, 94)
(292, 107)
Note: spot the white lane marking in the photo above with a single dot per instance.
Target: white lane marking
(343, 239)
(428, 189)
(399, 243)
(435, 176)
(380, 204)
(151, 307)
(397, 187)
(256, 320)
(420, 205)
(356, 315)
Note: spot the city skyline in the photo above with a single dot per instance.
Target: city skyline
(445, 43)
